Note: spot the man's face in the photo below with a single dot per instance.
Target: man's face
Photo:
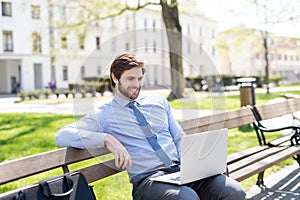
(130, 83)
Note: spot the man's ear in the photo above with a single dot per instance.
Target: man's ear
(115, 80)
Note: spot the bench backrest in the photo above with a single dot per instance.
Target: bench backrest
(30, 165)
(61, 158)
(273, 110)
(229, 119)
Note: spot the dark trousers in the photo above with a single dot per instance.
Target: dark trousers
(216, 187)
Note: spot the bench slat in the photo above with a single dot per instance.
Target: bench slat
(284, 140)
(264, 164)
(273, 110)
(229, 119)
(254, 158)
(99, 171)
(244, 153)
(30, 165)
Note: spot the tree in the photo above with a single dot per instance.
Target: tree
(268, 16)
(265, 38)
(171, 20)
(170, 16)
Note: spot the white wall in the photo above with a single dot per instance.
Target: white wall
(22, 25)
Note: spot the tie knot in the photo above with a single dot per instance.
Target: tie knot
(132, 104)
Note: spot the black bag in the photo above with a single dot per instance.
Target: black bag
(70, 186)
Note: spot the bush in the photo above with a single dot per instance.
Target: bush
(92, 85)
(22, 94)
(275, 79)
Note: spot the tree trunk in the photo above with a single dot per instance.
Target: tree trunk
(266, 56)
(171, 20)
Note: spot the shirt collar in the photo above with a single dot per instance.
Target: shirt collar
(122, 102)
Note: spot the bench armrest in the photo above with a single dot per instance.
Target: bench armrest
(265, 129)
(294, 137)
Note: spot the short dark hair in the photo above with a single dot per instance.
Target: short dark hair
(124, 62)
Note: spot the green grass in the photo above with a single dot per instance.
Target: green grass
(23, 134)
(206, 101)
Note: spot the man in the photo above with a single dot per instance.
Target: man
(116, 126)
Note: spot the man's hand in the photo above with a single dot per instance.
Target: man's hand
(122, 157)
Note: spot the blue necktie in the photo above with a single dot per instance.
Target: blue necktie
(151, 137)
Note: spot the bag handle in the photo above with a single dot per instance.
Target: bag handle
(47, 192)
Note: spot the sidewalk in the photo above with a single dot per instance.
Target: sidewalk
(283, 185)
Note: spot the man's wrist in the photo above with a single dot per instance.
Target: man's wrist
(105, 139)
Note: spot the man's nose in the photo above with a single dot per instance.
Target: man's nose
(136, 83)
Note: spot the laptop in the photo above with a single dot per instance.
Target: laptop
(202, 155)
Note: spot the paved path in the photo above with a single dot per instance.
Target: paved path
(78, 106)
(283, 185)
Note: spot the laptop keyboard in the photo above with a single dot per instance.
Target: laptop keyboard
(175, 178)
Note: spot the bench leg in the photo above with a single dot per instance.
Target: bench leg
(260, 179)
(297, 158)
(295, 139)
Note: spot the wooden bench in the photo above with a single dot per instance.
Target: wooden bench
(295, 113)
(255, 160)
(241, 165)
(288, 145)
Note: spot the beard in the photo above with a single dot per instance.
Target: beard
(130, 92)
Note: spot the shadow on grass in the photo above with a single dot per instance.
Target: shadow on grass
(31, 124)
(11, 139)
(246, 128)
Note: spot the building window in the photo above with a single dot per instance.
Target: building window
(81, 38)
(82, 72)
(113, 45)
(145, 24)
(213, 51)
(7, 41)
(6, 9)
(188, 29)
(154, 25)
(64, 42)
(62, 11)
(146, 46)
(35, 12)
(200, 31)
(154, 46)
(36, 43)
(98, 43)
(65, 73)
(112, 22)
(201, 48)
(99, 70)
(127, 46)
(189, 47)
(213, 34)
(127, 23)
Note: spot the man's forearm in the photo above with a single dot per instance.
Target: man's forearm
(70, 136)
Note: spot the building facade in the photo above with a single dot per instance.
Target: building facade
(87, 52)
(39, 44)
(45, 41)
(24, 45)
(242, 54)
